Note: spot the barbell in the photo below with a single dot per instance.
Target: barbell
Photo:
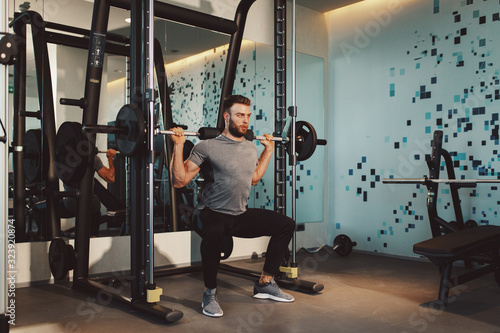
(73, 147)
(425, 181)
(208, 133)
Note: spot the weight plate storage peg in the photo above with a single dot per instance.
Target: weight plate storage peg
(61, 258)
(342, 245)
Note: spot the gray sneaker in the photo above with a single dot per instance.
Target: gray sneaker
(271, 291)
(210, 304)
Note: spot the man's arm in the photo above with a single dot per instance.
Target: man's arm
(181, 173)
(264, 159)
(108, 173)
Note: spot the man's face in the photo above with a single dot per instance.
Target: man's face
(239, 118)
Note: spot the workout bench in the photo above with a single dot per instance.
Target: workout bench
(480, 244)
(455, 241)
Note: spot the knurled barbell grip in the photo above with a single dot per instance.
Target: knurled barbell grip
(262, 137)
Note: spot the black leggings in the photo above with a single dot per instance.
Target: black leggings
(252, 223)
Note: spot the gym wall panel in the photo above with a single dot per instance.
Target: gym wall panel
(399, 70)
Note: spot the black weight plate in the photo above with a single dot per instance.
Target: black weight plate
(72, 152)
(35, 164)
(342, 245)
(306, 140)
(305, 147)
(130, 116)
(470, 224)
(9, 49)
(57, 258)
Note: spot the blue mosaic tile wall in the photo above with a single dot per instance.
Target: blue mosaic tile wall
(401, 70)
(195, 92)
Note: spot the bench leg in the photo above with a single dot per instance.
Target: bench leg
(444, 287)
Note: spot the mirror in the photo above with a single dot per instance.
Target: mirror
(194, 61)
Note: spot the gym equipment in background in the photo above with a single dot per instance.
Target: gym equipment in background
(454, 240)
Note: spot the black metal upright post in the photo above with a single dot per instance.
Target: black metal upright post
(90, 113)
(137, 161)
(168, 122)
(46, 98)
(233, 54)
(19, 200)
(52, 227)
(434, 165)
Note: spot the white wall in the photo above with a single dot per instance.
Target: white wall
(111, 254)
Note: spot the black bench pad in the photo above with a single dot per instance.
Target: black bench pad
(458, 243)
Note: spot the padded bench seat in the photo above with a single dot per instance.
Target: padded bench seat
(479, 244)
(458, 243)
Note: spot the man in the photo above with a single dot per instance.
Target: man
(223, 208)
(106, 173)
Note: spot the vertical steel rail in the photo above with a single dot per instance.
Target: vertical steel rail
(293, 114)
(280, 104)
(149, 65)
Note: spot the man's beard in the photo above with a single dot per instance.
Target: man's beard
(235, 130)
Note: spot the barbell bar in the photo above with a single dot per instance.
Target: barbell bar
(73, 147)
(105, 151)
(425, 180)
(207, 132)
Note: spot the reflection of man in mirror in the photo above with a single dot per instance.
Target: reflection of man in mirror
(222, 212)
(106, 173)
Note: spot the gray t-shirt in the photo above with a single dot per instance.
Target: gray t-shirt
(232, 164)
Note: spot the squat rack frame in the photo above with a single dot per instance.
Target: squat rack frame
(141, 234)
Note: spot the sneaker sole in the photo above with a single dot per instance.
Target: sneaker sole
(274, 298)
(206, 313)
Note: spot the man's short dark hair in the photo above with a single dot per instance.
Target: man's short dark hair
(230, 100)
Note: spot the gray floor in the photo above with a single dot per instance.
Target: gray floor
(363, 293)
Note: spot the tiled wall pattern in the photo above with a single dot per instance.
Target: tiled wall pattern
(195, 92)
(400, 70)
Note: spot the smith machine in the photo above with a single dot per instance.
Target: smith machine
(135, 135)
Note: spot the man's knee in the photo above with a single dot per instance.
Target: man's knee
(212, 235)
